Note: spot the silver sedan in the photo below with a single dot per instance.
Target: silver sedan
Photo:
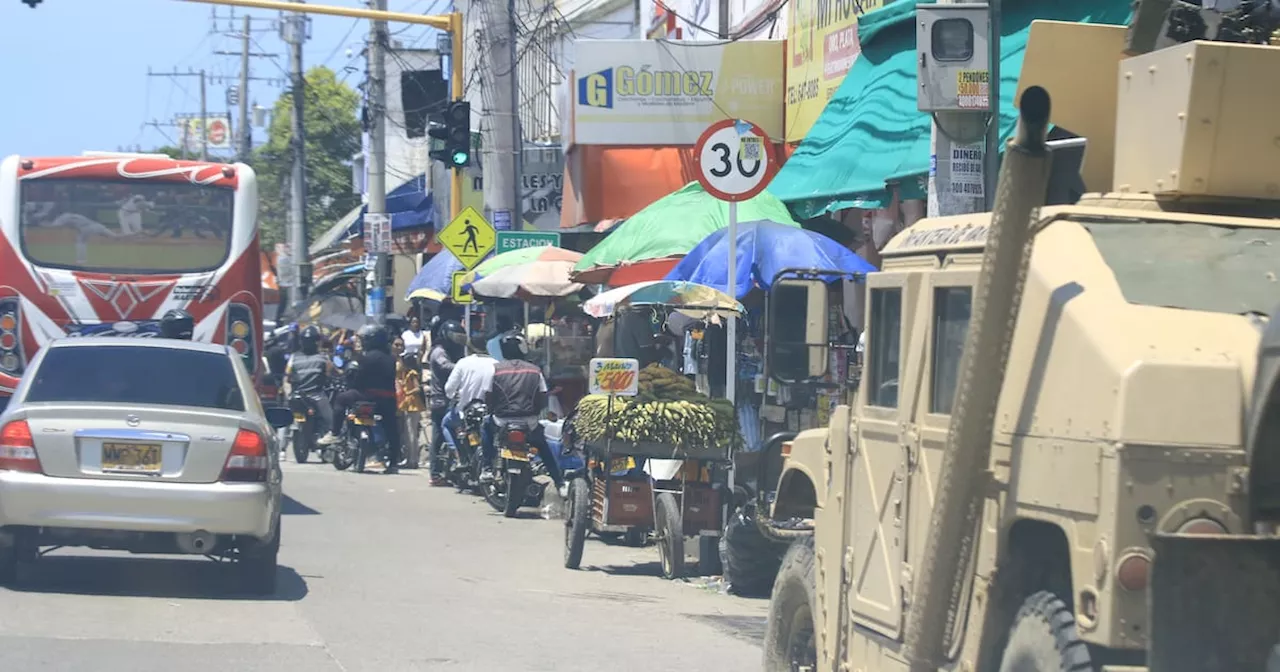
(141, 445)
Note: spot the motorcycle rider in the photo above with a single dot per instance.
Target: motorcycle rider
(177, 323)
(446, 349)
(516, 396)
(372, 378)
(307, 373)
(470, 380)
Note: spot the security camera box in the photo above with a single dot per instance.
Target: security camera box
(1200, 118)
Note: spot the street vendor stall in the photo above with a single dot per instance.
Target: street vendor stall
(656, 461)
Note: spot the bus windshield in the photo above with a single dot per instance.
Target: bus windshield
(125, 226)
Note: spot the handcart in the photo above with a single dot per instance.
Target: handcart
(614, 495)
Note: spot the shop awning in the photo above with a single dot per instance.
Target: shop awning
(410, 206)
(871, 135)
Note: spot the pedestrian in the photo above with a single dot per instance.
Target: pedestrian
(410, 404)
(414, 338)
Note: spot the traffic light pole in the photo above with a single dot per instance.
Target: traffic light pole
(455, 83)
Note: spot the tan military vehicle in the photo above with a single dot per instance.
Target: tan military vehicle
(1062, 454)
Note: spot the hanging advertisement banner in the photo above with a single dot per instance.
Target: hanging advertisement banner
(647, 92)
(218, 128)
(822, 44)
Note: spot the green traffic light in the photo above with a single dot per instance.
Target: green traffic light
(459, 158)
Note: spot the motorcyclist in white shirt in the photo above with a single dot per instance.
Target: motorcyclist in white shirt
(470, 380)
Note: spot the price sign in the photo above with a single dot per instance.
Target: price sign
(735, 160)
(615, 376)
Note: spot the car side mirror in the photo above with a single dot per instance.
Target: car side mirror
(798, 341)
(279, 416)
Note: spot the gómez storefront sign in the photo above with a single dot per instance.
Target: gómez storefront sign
(644, 92)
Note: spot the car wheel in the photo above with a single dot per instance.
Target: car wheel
(1044, 637)
(789, 639)
(8, 565)
(258, 564)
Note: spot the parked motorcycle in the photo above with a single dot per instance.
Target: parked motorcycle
(462, 455)
(362, 438)
(305, 428)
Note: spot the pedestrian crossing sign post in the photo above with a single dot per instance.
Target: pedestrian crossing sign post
(469, 237)
(460, 294)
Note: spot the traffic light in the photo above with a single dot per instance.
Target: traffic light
(455, 133)
(31, 3)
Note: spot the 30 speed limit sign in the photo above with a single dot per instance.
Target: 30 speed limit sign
(735, 160)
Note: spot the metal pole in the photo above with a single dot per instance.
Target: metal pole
(991, 157)
(456, 176)
(498, 165)
(245, 141)
(517, 136)
(731, 329)
(724, 20)
(298, 178)
(186, 137)
(204, 122)
(377, 188)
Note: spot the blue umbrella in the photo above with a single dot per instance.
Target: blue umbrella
(764, 249)
(435, 281)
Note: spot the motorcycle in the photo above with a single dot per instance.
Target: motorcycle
(362, 438)
(304, 431)
(462, 457)
(514, 469)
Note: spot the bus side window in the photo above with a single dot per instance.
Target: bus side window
(951, 311)
(884, 343)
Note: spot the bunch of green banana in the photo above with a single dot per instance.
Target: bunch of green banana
(595, 416)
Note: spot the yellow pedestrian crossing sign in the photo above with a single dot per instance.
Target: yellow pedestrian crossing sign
(459, 294)
(469, 237)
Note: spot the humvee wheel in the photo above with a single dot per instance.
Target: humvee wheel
(1043, 638)
(790, 641)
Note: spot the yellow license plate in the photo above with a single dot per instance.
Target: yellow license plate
(475, 440)
(619, 464)
(299, 417)
(508, 454)
(365, 422)
(137, 458)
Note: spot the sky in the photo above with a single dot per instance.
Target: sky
(74, 74)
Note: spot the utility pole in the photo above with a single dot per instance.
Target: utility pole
(502, 145)
(243, 99)
(376, 184)
(204, 111)
(244, 134)
(294, 31)
(724, 20)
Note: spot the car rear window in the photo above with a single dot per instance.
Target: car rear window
(121, 374)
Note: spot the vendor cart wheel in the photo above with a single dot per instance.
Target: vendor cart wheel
(575, 524)
(670, 536)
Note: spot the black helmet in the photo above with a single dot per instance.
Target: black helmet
(177, 323)
(309, 340)
(372, 337)
(452, 334)
(513, 345)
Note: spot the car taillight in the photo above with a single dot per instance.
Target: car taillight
(248, 461)
(17, 449)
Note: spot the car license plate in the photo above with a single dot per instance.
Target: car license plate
(620, 464)
(299, 417)
(132, 458)
(508, 454)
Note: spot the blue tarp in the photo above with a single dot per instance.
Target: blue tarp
(871, 133)
(764, 249)
(410, 206)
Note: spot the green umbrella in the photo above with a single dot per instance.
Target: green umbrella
(671, 226)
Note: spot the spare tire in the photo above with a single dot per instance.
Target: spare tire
(749, 559)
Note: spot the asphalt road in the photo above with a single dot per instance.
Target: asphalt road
(379, 573)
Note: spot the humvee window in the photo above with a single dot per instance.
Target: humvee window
(883, 347)
(951, 306)
(1217, 269)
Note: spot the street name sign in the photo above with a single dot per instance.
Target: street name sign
(518, 240)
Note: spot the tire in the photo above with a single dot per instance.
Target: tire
(1043, 638)
(670, 536)
(750, 560)
(302, 441)
(575, 524)
(8, 565)
(342, 457)
(362, 454)
(258, 563)
(709, 556)
(515, 494)
(790, 637)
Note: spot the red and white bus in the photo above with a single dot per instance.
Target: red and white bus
(105, 243)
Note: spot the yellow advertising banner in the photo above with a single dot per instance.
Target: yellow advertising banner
(822, 44)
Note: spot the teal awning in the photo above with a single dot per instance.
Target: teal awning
(870, 134)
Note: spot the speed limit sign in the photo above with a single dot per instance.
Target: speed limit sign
(735, 159)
